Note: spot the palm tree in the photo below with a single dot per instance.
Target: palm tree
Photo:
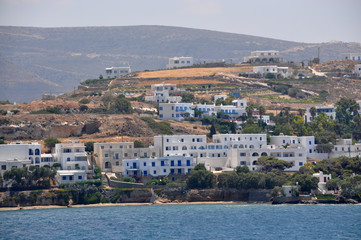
(313, 112)
(286, 112)
(249, 111)
(301, 112)
(262, 112)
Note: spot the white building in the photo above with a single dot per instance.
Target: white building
(160, 166)
(305, 142)
(71, 156)
(114, 72)
(328, 110)
(70, 176)
(357, 70)
(263, 70)
(216, 97)
(164, 93)
(109, 156)
(178, 111)
(175, 111)
(19, 154)
(352, 56)
(344, 147)
(270, 56)
(177, 62)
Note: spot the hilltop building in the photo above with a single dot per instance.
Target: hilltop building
(328, 110)
(164, 93)
(177, 62)
(178, 111)
(352, 56)
(114, 72)
(263, 70)
(270, 56)
(357, 70)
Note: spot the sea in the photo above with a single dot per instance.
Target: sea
(185, 221)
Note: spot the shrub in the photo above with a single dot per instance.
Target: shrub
(84, 101)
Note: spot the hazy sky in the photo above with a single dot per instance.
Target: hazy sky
(296, 20)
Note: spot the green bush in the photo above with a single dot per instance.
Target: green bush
(158, 127)
(84, 101)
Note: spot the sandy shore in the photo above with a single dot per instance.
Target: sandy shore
(116, 204)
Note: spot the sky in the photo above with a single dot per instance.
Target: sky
(311, 21)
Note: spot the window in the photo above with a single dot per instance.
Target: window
(145, 173)
(106, 155)
(300, 164)
(242, 163)
(153, 164)
(125, 154)
(80, 177)
(242, 154)
(284, 141)
(172, 162)
(179, 171)
(164, 170)
(188, 162)
(3, 167)
(109, 147)
(31, 152)
(117, 163)
(37, 152)
(68, 159)
(71, 178)
(162, 163)
(144, 164)
(154, 172)
(135, 154)
(160, 115)
(172, 171)
(160, 108)
(309, 142)
(64, 178)
(179, 162)
(117, 156)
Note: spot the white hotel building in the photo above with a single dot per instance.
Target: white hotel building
(328, 110)
(177, 62)
(159, 166)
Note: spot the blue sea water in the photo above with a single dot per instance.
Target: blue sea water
(220, 221)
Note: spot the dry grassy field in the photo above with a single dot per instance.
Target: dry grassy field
(178, 82)
(191, 72)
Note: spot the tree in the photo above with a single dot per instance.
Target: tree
(121, 105)
(249, 111)
(212, 131)
(100, 77)
(242, 169)
(187, 97)
(89, 146)
(345, 109)
(50, 143)
(83, 108)
(301, 112)
(201, 178)
(262, 111)
(286, 113)
(313, 112)
(138, 144)
(305, 181)
(270, 163)
(270, 76)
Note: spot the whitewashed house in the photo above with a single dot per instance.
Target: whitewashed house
(163, 93)
(18, 154)
(159, 166)
(357, 70)
(270, 56)
(114, 72)
(73, 160)
(352, 56)
(177, 62)
(263, 70)
(175, 111)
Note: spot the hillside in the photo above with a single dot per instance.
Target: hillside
(43, 60)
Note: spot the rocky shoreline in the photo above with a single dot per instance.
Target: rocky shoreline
(60, 198)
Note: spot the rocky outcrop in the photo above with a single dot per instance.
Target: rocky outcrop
(204, 195)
